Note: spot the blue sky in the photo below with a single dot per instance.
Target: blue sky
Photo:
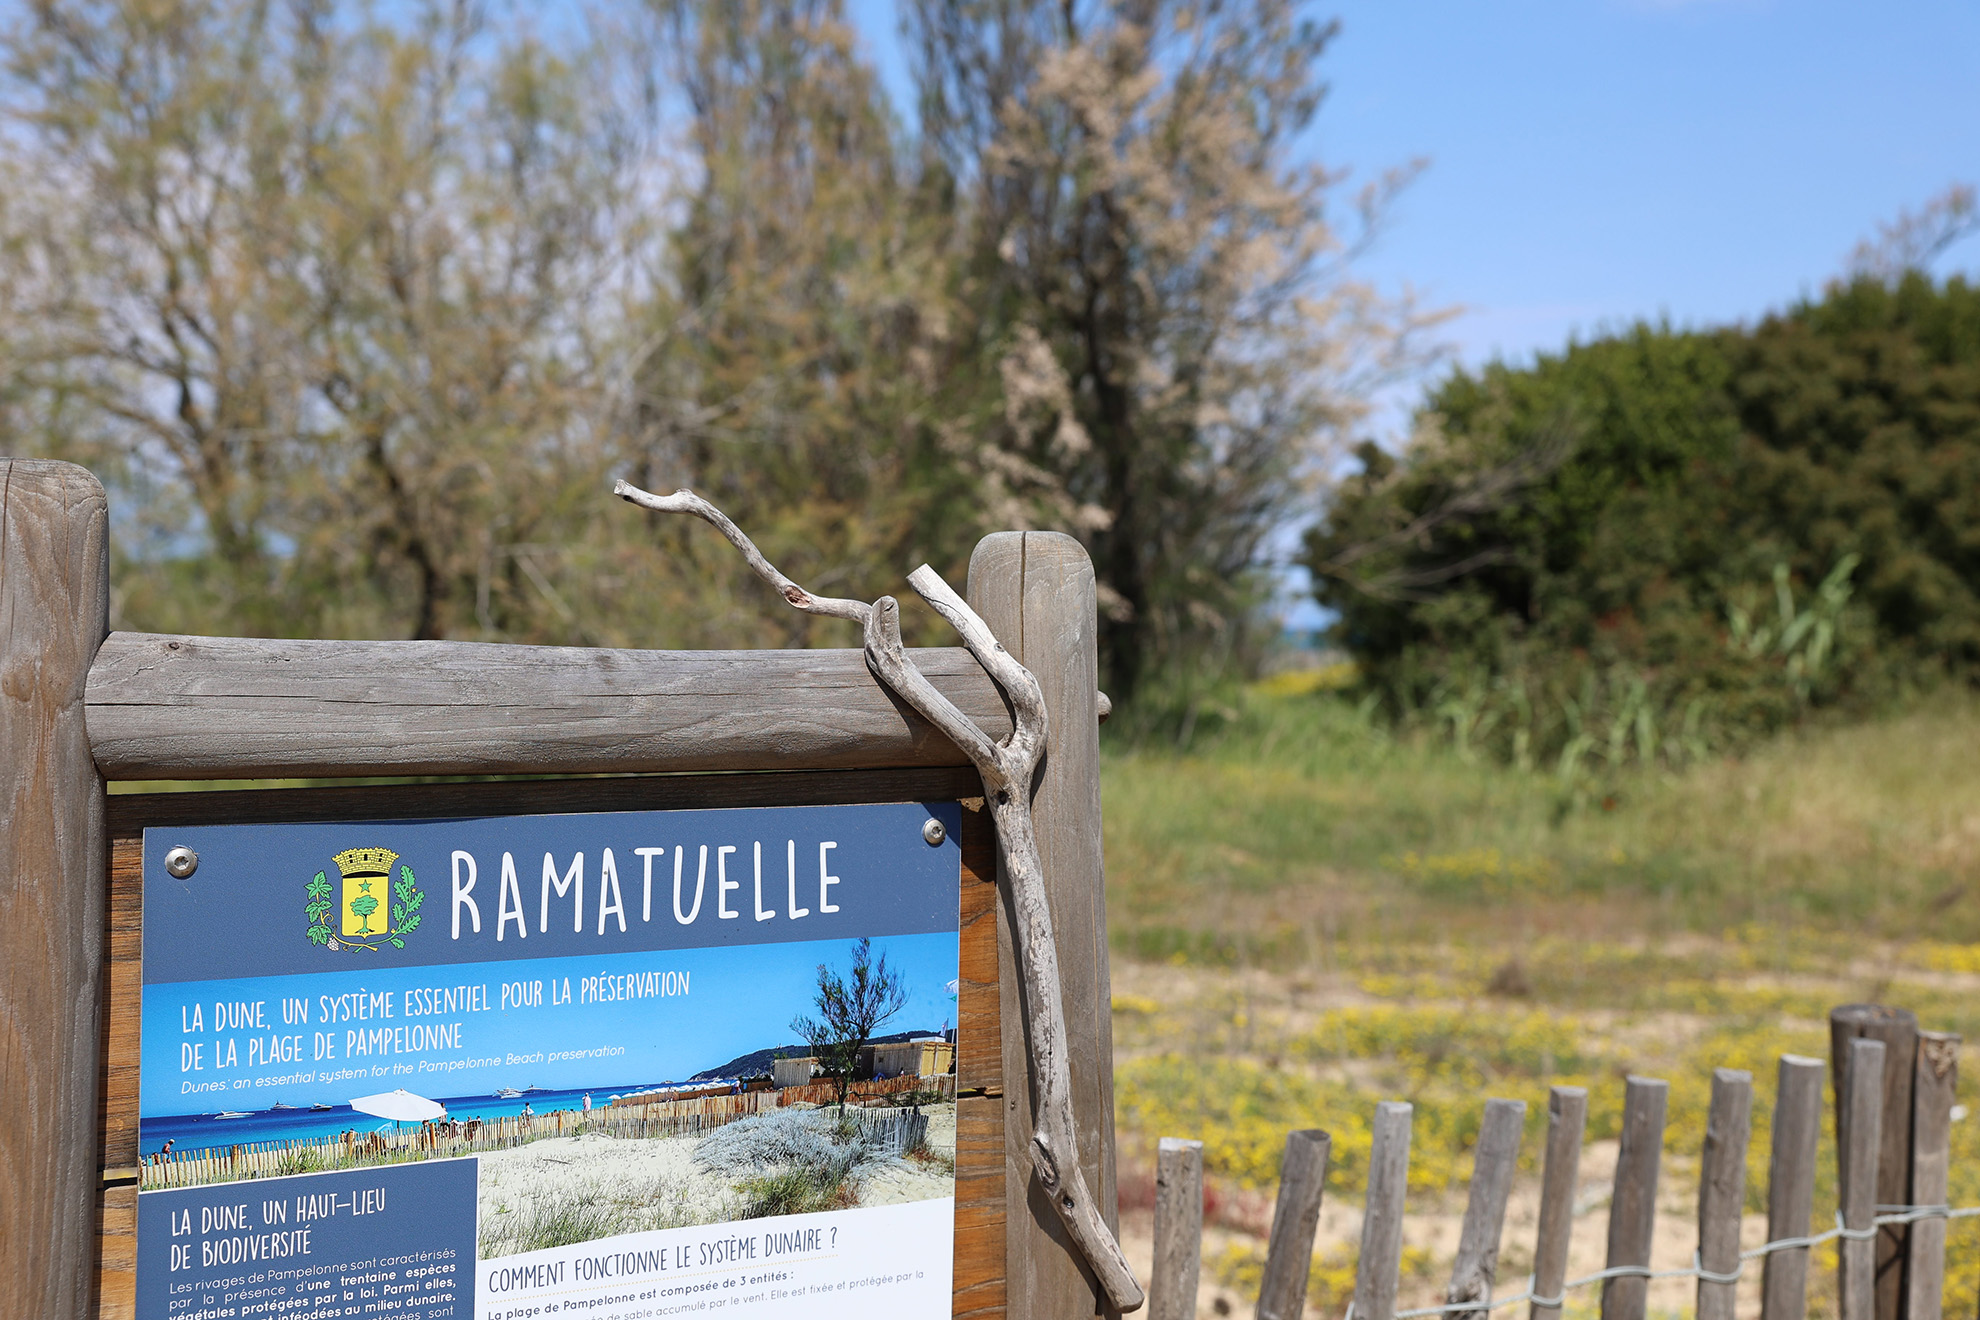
(738, 1000)
(1595, 162)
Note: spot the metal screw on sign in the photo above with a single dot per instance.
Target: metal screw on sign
(934, 831)
(181, 862)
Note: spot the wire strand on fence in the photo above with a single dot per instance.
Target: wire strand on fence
(1887, 1216)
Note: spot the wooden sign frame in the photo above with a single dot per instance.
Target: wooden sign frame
(80, 705)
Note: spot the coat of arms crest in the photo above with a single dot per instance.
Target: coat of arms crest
(373, 909)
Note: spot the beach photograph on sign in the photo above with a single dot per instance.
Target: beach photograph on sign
(621, 1056)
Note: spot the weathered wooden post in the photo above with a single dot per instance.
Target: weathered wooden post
(1932, 1088)
(1863, 1103)
(1791, 1186)
(54, 613)
(1567, 1119)
(1036, 591)
(1494, 1161)
(1722, 1189)
(1178, 1230)
(1897, 1028)
(1633, 1205)
(1378, 1275)
(1295, 1219)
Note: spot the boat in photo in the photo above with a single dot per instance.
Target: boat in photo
(233, 1113)
(507, 1093)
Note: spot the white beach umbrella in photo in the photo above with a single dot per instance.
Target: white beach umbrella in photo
(401, 1106)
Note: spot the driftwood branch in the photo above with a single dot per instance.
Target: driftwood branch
(1006, 769)
(686, 501)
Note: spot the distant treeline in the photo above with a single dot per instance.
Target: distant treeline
(1664, 543)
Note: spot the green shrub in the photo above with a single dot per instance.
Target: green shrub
(1664, 544)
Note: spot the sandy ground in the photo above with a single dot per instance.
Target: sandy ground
(636, 1184)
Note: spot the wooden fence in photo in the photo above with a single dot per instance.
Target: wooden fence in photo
(898, 1128)
(1893, 1112)
(815, 1093)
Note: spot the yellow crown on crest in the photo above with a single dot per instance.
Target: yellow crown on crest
(365, 861)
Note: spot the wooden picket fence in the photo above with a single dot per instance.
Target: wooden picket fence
(662, 1118)
(1891, 1226)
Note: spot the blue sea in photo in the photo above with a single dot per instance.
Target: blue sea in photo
(191, 1132)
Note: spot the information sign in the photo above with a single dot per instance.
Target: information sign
(543, 1065)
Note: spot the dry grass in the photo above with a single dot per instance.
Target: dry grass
(1312, 828)
(1312, 917)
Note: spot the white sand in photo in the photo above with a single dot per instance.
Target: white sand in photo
(657, 1174)
(911, 1180)
(560, 1190)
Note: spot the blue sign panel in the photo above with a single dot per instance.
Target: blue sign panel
(387, 1241)
(616, 1061)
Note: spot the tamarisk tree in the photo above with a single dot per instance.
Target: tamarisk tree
(850, 1009)
(1179, 344)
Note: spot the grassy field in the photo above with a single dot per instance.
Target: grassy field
(1329, 915)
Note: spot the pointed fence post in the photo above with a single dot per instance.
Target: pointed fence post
(1493, 1164)
(1633, 1204)
(1567, 1119)
(1178, 1230)
(1791, 1186)
(1295, 1218)
(1863, 1105)
(1932, 1087)
(1722, 1189)
(54, 613)
(1378, 1273)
